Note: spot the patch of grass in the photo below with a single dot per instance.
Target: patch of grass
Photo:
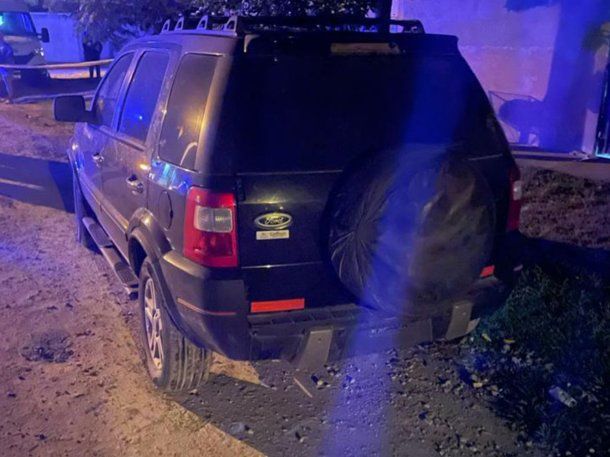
(560, 325)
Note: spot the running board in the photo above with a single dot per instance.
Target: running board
(111, 254)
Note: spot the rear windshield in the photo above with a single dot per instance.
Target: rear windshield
(319, 113)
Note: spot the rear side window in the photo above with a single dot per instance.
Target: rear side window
(108, 95)
(142, 95)
(185, 110)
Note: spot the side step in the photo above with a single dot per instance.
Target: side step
(112, 256)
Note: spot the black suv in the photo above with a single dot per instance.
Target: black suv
(301, 188)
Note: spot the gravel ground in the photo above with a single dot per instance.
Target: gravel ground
(566, 209)
(72, 382)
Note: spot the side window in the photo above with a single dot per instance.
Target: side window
(185, 110)
(143, 94)
(108, 94)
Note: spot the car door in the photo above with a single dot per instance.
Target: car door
(128, 159)
(179, 141)
(93, 139)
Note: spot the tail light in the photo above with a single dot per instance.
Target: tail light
(210, 228)
(488, 271)
(514, 206)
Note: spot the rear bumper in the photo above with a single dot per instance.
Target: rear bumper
(214, 313)
(358, 330)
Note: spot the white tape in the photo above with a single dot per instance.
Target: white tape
(58, 66)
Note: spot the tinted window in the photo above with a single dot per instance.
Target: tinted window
(185, 110)
(142, 95)
(108, 95)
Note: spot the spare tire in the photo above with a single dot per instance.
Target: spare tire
(410, 231)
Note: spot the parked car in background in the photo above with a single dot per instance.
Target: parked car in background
(294, 188)
(18, 28)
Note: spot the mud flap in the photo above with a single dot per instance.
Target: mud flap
(315, 350)
(313, 356)
(460, 323)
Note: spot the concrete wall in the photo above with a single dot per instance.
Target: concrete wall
(535, 62)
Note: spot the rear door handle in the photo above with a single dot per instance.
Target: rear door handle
(98, 158)
(136, 186)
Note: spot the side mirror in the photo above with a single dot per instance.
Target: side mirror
(44, 35)
(71, 108)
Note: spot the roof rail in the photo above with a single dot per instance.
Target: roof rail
(231, 24)
(239, 25)
(166, 26)
(203, 23)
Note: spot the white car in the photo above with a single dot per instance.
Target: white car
(20, 32)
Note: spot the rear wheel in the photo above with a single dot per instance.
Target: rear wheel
(173, 362)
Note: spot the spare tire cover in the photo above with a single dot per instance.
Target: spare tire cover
(411, 230)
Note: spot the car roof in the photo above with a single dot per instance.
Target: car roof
(188, 41)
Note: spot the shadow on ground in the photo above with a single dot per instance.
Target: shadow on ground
(565, 258)
(36, 181)
(53, 87)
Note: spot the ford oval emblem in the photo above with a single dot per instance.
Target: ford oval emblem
(273, 221)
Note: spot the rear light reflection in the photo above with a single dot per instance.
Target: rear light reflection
(488, 271)
(277, 305)
(516, 194)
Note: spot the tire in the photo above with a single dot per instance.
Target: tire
(81, 210)
(174, 364)
(410, 232)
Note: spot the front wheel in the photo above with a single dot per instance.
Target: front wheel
(173, 362)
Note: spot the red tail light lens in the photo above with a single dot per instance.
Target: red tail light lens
(210, 228)
(516, 193)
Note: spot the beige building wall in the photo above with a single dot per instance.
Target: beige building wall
(536, 59)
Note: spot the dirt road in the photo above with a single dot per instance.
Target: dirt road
(71, 381)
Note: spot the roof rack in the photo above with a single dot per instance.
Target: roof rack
(241, 25)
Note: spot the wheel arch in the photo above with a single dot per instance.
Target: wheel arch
(145, 239)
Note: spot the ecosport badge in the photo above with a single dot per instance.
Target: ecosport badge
(273, 221)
